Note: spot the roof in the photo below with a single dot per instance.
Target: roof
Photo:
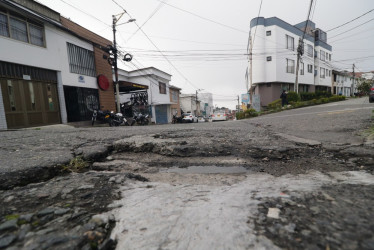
(174, 87)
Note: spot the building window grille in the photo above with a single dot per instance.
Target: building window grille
(290, 66)
(310, 68)
(36, 35)
(268, 33)
(81, 61)
(301, 68)
(290, 42)
(4, 25)
(309, 50)
(322, 72)
(19, 30)
(268, 58)
(162, 87)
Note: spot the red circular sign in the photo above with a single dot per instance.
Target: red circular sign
(103, 82)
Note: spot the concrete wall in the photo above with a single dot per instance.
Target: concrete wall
(3, 124)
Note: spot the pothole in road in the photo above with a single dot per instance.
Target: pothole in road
(206, 170)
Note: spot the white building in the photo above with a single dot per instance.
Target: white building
(189, 104)
(206, 103)
(274, 58)
(342, 83)
(152, 85)
(48, 72)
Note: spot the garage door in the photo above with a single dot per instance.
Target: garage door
(161, 114)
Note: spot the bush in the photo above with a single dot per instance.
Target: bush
(307, 96)
(322, 94)
(275, 104)
(293, 97)
(240, 115)
(251, 113)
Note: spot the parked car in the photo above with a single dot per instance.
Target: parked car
(201, 119)
(219, 116)
(371, 95)
(189, 117)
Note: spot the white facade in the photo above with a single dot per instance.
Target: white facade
(342, 83)
(152, 78)
(273, 44)
(206, 103)
(188, 103)
(52, 56)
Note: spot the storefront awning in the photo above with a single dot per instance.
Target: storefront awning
(126, 87)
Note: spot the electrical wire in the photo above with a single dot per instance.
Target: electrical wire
(201, 17)
(350, 21)
(352, 28)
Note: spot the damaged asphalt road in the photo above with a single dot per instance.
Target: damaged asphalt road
(257, 183)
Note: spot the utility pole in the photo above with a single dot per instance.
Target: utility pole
(238, 105)
(300, 52)
(127, 57)
(353, 79)
(250, 73)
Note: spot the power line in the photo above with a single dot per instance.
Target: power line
(352, 28)
(351, 20)
(152, 14)
(201, 17)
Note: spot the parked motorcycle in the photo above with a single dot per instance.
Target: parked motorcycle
(113, 119)
(140, 119)
(177, 119)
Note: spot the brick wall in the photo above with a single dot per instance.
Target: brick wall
(107, 97)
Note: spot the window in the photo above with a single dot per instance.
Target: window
(268, 33)
(51, 103)
(310, 50)
(162, 87)
(81, 61)
(329, 57)
(322, 55)
(310, 68)
(301, 68)
(4, 25)
(322, 72)
(290, 42)
(268, 58)
(290, 66)
(19, 29)
(36, 35)
(174, 96)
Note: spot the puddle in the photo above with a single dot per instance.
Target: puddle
(206, 170)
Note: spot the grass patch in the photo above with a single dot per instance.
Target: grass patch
(78, 164)
(11, 216)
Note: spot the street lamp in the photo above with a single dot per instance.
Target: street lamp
(115, 20)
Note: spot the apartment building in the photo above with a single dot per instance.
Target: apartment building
(51, 69)
(273, 63)
(342, 83)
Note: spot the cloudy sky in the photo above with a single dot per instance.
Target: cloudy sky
(205, 42)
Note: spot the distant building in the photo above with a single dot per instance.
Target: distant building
(174, 98)
(342, 83)
(189, 104)
(150, 88)
(206, 103)
(274, 58)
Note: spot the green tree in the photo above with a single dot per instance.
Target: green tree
(364, 86)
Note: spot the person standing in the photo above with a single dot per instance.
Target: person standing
(283, 96)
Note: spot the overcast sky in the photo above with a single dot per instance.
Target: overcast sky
(206, 41)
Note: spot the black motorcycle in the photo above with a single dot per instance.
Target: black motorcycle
(113, 119)
(140, 119)
(177, 119)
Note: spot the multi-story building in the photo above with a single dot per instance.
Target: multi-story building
(49, 67)
(189, 104)
(342, 83)
(174, 98)
(273, 63)
(150, 85)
